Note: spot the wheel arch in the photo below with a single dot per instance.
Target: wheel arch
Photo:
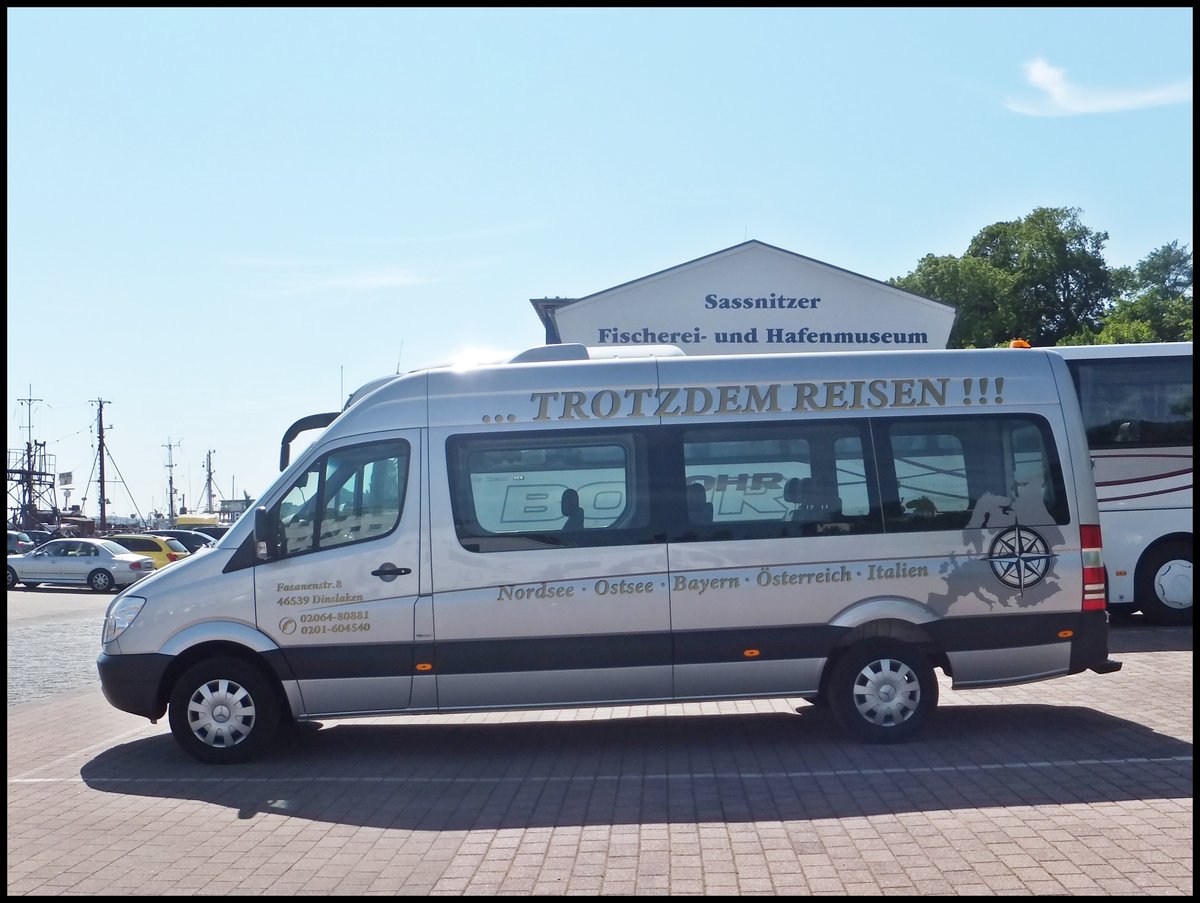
(901, 620)
(1180, 537)
(221, 639)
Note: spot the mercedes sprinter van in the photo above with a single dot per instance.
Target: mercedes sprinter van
(581, 528)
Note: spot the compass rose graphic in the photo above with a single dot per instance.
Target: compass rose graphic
(1020, 557)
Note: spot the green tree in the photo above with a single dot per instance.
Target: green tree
(1062, 283)
(1043, 278)
(1155, 303)
(1167, 270)
(985, 297)
(1122, 332)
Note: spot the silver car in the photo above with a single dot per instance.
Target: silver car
(99, 563)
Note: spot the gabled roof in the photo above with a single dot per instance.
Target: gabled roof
(547, 307)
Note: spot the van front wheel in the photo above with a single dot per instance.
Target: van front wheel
(882, 691)
(224, 710)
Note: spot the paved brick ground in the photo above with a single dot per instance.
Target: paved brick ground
(1075, 786)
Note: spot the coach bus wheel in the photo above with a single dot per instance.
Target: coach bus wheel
(1164, 584)
(223, 711)
(882, 691)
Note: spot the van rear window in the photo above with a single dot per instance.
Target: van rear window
(944, 473)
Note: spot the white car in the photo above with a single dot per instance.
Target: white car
(99, 563)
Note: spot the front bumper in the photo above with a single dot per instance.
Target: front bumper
(132, 683)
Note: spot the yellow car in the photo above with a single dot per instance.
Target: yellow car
(162, 549)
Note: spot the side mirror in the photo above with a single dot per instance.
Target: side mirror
(263, 546)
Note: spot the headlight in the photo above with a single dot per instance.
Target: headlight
(120, 616)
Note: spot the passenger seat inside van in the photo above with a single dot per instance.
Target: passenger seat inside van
(700, 510)
(572, 510)
(812, 504)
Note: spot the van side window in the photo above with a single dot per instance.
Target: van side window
(767, 480)
(931, 474)
(350, 495)
(941, 473)
(548, 489)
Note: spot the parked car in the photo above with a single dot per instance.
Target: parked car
(214, 532)
(19, 542)
(163, 549)
(40, 536)
(191, 539)
(99, 563)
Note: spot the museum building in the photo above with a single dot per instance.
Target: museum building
(753, 298)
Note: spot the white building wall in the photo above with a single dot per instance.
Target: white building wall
(755, 298)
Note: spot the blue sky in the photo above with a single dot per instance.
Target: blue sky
(222, 220)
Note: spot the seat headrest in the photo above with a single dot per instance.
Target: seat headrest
(796, 489)
(570, 502)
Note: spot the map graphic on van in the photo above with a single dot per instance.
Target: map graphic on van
(1019, 557)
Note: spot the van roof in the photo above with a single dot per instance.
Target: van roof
(560, 384)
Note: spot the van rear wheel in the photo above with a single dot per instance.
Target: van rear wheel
(882, 691)
(224, 710)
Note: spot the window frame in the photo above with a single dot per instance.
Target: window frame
(659, 478)
(402, 450)
(473, 536)
(1107, 435)
(818, 434)
(898, 520)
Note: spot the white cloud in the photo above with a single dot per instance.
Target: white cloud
(1061, 98)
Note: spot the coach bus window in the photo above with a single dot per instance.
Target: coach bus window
(1135, 403)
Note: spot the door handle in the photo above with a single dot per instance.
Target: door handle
(388, 572)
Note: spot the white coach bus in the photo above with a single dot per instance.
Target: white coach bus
(1137, 410)
(580, 527)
